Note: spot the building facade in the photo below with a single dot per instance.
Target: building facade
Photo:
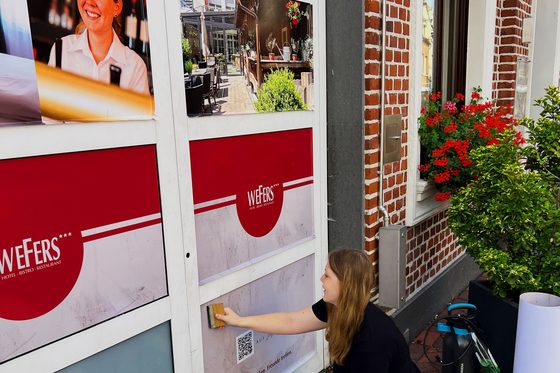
(409, 49)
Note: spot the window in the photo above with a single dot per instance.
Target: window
(444, 52)
(447, 20)
(439, 62)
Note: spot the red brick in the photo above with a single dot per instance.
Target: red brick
(372, 54)
(388, 84)
(510, 4)
(387, 196)
(371, 173)
(512, 22)
(402, 14)
(371, 203)
(372, 158)
(406, 29)
(373, 22)
(372, 114)
(371, 144)
(372, 6)
(372, 128)
(372, 84)
(372, 69)
(506, 94)
(371, 232)
(388, 55)
(372, 99)
(506, 76)
(506, 85)
(511, 40)
(372, 218)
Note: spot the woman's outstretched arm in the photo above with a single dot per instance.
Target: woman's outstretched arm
(296, 322)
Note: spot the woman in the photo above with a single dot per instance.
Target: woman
(361, 337)
(95, 49)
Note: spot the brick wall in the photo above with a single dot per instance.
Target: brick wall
(430, 247)
(430, 244)
(508, 48)
(396, 102)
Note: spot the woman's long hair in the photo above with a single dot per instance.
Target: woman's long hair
(117, 24)
(355, 273)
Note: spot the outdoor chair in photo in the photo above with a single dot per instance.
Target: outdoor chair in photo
(207, 93)
(194, 99)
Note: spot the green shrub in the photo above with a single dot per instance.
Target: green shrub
(186, 48)
(279, 93)
(188, 65)
(506, 219)
(544, 135)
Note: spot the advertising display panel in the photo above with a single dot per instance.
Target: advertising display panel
(253, 196)
(74, 60)
(19, 97)
(81, 243)
(232, 349)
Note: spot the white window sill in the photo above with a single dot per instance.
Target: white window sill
(424, 190)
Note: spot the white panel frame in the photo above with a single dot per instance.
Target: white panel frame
(36, 140)
(190, 129)
(170, 131)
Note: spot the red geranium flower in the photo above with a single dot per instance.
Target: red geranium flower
(448, 133)
(443, 196)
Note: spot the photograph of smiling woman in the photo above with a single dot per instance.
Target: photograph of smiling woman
(95, 50)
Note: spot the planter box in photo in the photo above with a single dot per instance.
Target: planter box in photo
(497, 318)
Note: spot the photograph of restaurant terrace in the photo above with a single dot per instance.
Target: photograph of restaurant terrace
(247, 56)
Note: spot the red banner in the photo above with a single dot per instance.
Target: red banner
(49, 202)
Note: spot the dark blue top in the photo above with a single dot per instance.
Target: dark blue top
(377, 347)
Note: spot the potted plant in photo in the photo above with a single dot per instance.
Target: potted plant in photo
(186, 48)
(307, 48)
(188, 65)
(295, 48)
(270, 44)
(279, 93)
(508, 219)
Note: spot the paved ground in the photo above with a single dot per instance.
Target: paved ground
(234, 96)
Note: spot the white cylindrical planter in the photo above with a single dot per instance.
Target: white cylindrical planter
(537, 346)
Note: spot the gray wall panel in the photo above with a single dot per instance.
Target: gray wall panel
(345, 130)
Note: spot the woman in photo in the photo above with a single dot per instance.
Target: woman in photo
(95, 50)
(361, 337)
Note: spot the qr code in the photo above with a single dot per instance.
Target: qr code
(244, 344)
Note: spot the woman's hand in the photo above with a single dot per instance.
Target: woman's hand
(230, 317)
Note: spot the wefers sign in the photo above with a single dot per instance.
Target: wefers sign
(81, 242)
(253, 195)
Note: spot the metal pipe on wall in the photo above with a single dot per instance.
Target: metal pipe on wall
(381, 171)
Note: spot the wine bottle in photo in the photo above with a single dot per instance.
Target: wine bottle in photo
(144, 36)
(132, 26)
